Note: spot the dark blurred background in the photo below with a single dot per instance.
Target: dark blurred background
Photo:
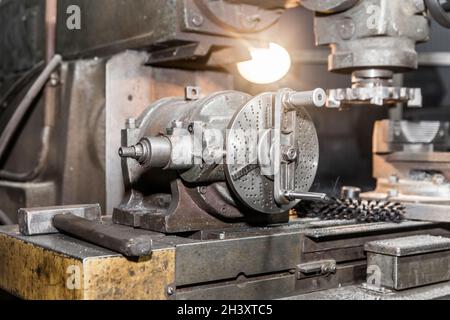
(346, 135)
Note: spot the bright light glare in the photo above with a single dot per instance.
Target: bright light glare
(268, 65)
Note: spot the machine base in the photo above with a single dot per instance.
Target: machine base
(242, 263)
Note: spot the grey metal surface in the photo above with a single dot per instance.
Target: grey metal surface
(421, 270)
(14, 196)
(328, 6)
(372, 22)
(186, 32)
(409, 245)
(371, 35)
(428, 212)
(250, 177)
(320, 57)
(221, 260)
(362, 228)
(406, 272)
(259, 288)
(127, 241)
(38, 221)
(128, 93)
(380, 96)
(357, 292)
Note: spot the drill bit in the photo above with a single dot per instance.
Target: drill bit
(363, 211)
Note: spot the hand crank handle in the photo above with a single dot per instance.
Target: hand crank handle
(309, 196)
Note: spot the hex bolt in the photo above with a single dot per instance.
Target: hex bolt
(289, 154)
(192, 92)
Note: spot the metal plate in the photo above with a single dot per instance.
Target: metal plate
(242, 169)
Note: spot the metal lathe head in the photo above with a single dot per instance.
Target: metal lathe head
(238, 159)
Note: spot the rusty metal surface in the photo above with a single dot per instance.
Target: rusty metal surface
(245, 263)
(44, 267)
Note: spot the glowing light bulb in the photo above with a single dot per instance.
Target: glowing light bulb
(268, 65)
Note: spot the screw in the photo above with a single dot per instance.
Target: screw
(347, 29)
(197, 19)
(203, 190)
(290, 154)
(54, 79)
(170, 291)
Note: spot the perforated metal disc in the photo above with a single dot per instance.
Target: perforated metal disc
(244, 174)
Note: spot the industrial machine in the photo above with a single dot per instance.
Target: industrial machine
(158, 178)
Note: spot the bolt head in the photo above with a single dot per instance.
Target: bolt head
(290, 154)
(197, 20)
(347, 29)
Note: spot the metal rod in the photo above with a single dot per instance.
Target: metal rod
(309, 196)
(127, 241)
(50, 103)
(43, 156)
(315, 98)
(26, 103)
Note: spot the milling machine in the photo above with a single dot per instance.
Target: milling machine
(204, 194)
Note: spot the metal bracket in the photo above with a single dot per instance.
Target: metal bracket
(316, 268)
(285, 149)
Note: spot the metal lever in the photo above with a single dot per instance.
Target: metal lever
(285, 106)
(308, 196)
(127, 241)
